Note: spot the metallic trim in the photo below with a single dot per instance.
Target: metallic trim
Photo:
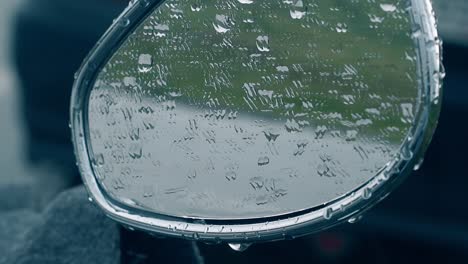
(345, 208)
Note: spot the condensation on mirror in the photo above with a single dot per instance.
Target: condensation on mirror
(249, 108)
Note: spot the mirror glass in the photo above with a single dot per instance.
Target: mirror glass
(241, 109)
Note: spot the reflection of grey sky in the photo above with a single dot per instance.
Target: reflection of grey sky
(192, 165)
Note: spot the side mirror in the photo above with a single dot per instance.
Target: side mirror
(251, 120)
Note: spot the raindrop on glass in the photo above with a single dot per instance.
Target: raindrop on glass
(222, 23)
(263, 43)
(239, 247)
(145, 63)
(297, 9)
(388, 7)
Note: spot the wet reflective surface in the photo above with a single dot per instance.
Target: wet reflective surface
(246, 109)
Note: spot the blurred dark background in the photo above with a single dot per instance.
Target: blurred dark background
(42, 44)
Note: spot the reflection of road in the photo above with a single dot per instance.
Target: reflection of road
(204, 163)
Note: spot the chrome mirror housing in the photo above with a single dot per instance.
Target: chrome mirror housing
(248, 120)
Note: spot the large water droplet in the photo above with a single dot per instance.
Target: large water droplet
(292, 126)
(416, 33)
(351, 135)
(406, 153)
(388, 7)
(297, 9)
(367, 194)
(99, 160)
(376, 19)
(231, 175)
(263, 43)
(222, 23)
(341, 28)
(271, 135)
(262, 161)
(355, 219)
(328, 213)
(282, 68)
(145, 63)
(418, 165)
(239, 247)
(196, 7)
(124, 22)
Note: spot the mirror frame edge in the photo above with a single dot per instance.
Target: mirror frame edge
(287, 226)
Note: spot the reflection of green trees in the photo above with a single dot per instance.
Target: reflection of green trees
(202, 64)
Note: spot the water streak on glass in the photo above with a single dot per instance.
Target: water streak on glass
(253, 108)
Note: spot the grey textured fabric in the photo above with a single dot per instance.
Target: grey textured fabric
(14, 228)
(71, 230)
